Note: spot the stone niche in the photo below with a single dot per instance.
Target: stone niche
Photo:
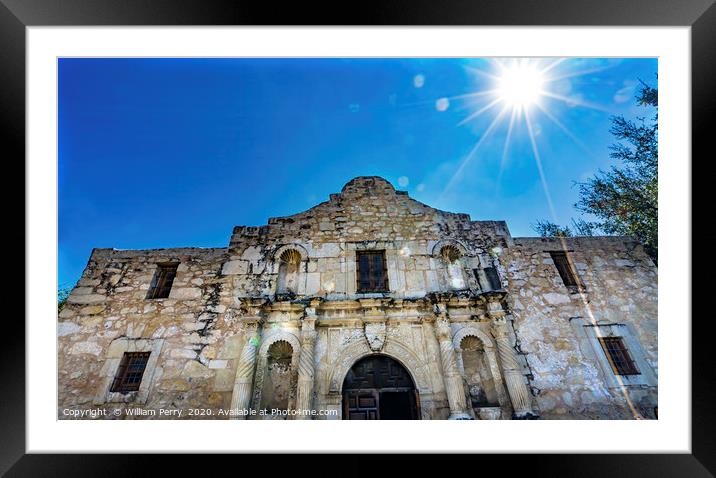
(278, 384)
(480, 383)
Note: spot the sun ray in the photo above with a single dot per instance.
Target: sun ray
(575, 101)
(580, 73)
(585, 302)
(538, 160)
(505, 148)
(473, 95)
(481, 72)
(498, 64)
(552, 65)
(472, 152)
(479, 112)
(566, 131)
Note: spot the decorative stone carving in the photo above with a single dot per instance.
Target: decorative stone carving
(241, 395)
(511, 369)
(375, 333)
(276, 335)
(348, 356)
(453, 380)
(304, 394)
(489, 413)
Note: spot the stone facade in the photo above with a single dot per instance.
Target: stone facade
(482, 322)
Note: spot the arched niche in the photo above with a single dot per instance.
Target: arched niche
(276, 372)
(289, 261)
(437, 248)
(451, 253)
(475, 353)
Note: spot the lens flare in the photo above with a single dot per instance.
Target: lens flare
(520, 84)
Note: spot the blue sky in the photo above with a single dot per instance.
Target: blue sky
(175, 152)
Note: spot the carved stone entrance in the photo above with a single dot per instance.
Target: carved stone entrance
(379, 388)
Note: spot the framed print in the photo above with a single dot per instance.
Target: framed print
(442, 220)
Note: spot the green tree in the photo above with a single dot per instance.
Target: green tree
(579, 227)
(62, 294)
(623, 200)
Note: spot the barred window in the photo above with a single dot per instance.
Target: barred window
(618, 356)
(372, 271)
(162, 282)
(129, 374)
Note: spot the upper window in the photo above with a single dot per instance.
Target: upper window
(372, 271)
(618, 355)
(488, 279)
(162, 282)
(129, 374)
(565, 269)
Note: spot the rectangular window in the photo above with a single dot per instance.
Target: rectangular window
(162, 283)
(129, 374)
(618, 355)
(566, 271)
(372, 271)
(492, 278)
(488, 279)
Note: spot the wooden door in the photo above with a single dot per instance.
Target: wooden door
(361, 405)
(379, 388)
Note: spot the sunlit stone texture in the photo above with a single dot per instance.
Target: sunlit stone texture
(457, 319)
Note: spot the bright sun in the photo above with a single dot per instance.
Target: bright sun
(520, 84)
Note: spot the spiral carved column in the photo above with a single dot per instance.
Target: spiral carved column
(511, 368)
(304, 393)
(241, 395)
(453, 380)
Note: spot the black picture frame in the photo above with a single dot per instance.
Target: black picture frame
(700, 15)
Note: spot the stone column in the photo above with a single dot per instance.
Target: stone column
(459, 361)
(451, 376)
(511, 368)
(304, 392)
(241, 396)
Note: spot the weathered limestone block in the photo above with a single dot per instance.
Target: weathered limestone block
(553, 298)
(194, 369)
(67, 328)
(185, 293)
(231, 347)
(313, 283)
(415, 280)
(224, 380)
(86, 348)
(85, 299)
(235, 267)
(175, 384)
(183, 353)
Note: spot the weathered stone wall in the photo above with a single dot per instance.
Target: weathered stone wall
(367, 214)
(195, 342)
(227, 307)
(570, 374)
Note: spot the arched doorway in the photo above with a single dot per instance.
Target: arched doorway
(379, 388)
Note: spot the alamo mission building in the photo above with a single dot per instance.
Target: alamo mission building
(370, 305)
